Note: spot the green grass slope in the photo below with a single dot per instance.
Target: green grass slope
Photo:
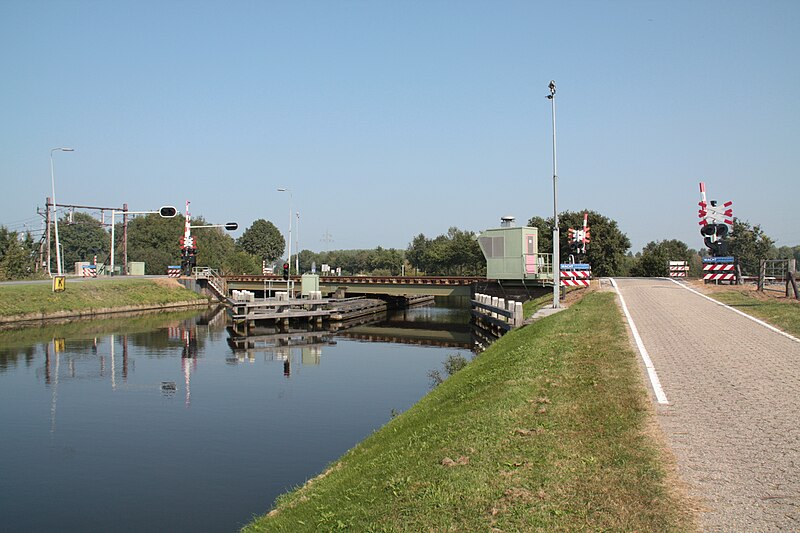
(546, 430)
(18, 300)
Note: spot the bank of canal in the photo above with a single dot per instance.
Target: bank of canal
(20, 303)
(158, 423)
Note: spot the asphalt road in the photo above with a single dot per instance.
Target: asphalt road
(733, 392)
(73, 279)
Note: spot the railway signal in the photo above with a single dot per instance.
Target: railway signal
(580, 237)
(188, 243)
(286, 271)
(716, 223)
(167, 212)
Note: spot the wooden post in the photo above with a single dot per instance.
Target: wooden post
(791, 278)
(762, 273)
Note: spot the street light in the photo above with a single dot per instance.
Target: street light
(55, 213)
(297, 245)
(289, 240)
(556, 259)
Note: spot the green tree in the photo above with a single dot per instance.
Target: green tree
(16, 262)
(415, 253)
(656, 255)
(456, 252)
(749, 245)
(606, 250)
(241, 263)
(214, 245)
(6, 238)
(153, 240)
(263, 240)
(81, 239)
(786, 252)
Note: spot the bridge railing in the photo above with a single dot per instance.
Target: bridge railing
(544, 265)
(214, 279)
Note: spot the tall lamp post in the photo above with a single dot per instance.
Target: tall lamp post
(297, 245)
(289, 239)
(55, 213)
(556, 259)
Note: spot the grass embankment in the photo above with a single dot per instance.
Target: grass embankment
(86, 296)
(783, 314)
(545, 430)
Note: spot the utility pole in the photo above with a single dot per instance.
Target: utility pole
(327, 238)
(556, 259)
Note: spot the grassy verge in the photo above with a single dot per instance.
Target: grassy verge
(546, 430)
(783, 314)
(18, 300)
(531, 306)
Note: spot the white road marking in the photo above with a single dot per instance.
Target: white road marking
(661, 397)
(757, 321)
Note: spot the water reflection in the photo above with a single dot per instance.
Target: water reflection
(98, 406)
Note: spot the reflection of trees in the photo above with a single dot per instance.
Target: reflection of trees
(12, 356)
(145, 330)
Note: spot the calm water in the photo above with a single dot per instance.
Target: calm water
(160, 423)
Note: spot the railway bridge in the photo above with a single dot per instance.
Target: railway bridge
(394, 285)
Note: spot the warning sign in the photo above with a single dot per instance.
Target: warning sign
(59, 283)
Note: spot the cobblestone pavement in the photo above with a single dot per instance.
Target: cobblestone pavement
(733, 388)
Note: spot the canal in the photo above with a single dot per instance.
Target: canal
(164, 423)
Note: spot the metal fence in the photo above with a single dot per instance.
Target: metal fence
(778, 275)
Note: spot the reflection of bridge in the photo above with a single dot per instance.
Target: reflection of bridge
(426, 337)
(429, 334)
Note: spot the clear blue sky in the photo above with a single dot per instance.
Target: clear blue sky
(390, 119)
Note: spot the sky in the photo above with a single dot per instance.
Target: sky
(390, 119)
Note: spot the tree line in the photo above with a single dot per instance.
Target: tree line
(155, 241)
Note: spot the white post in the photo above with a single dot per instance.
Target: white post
(297, 246)
(112, 242)
(55, 212)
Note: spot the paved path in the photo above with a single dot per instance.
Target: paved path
(733, 417)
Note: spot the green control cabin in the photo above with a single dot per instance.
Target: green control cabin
(512, 253)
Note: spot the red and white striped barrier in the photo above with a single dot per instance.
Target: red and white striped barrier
(174, 271)
(719, 272)
(678, 269)
(573, 282)
(578, 275)
(89, 271)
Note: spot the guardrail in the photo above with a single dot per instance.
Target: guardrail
(497, 312)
